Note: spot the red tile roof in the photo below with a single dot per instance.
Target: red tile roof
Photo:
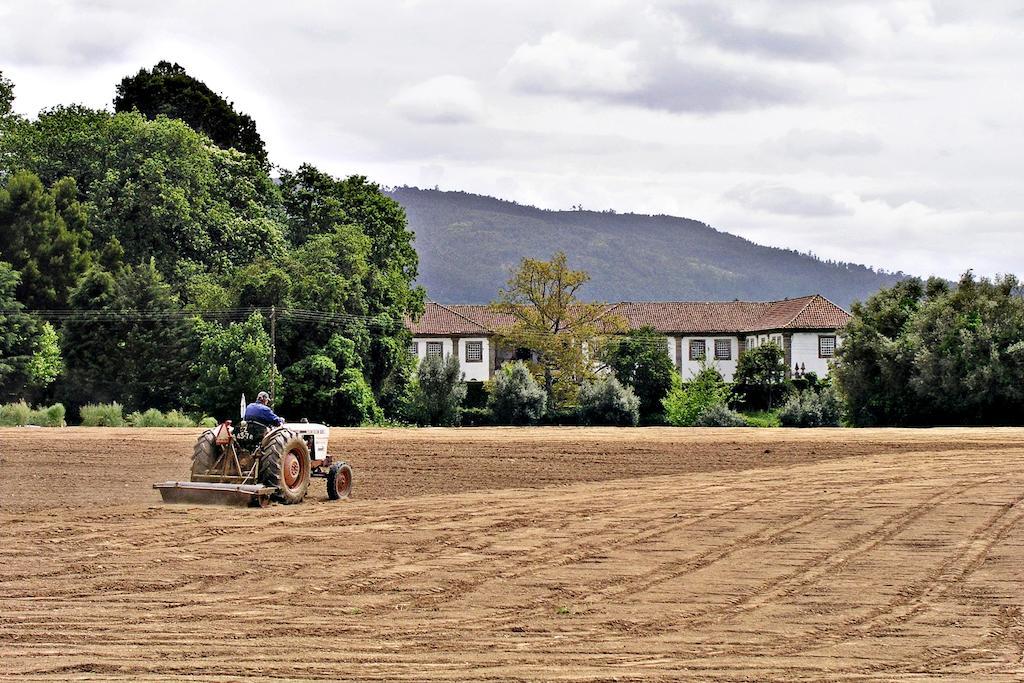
(438, 319)
(806, 313)
(813, 312)
(692, 316)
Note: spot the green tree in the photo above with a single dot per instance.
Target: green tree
(687, 402)
(969, 352)
(516, 398)
(437, 392)
(328, 386)
(46, 363)
(158, 187)
(168, 90)
(232, 360)
(640, 360)
(36, 239)
(18, 332)
(565, 333)
(875, 363)
(332, 213)
(127, 341)
(761, 375)
(6, 96)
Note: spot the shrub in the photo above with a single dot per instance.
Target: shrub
(812, 409)
(208, 422)
(14, 414)
(719, 415)
(437, 392)
(762, 418)
(102, 415)
(686, 402)
(566, 416)
(154, 418)
(517, 398)
(176, 418)
(150, 418)
(19, 414)
(477, 417)
(607, 402)
(639, 360)
(49, 416)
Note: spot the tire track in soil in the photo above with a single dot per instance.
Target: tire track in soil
(835, 558)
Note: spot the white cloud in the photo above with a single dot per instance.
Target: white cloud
(443, 99)
(560, 63)
(783, 200)
(804, 143)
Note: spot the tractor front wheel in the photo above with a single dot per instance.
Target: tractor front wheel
(339, 481)
(285, 467)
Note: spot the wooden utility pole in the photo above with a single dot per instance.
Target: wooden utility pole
(273, 351)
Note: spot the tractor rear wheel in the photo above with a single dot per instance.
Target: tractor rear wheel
(339, 481)
(204, 455)
(285, 465)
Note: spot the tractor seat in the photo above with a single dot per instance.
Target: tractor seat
(250, 433)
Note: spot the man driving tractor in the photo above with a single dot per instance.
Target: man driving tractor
(260, 412)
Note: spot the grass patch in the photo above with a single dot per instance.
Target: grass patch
(154, 418)
(102, 415)
(19, 415)
(763, 418)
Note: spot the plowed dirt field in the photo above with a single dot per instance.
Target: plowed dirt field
(524, 554)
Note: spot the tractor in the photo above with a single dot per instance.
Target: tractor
(254, 464)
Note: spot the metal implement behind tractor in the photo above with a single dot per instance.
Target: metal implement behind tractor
(255, 464)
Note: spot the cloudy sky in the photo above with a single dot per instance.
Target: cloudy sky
(887, 133)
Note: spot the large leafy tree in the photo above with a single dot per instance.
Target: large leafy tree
(969, 356)
(874, 365)
(6, 96)
(43, 235)
(328, 385)
(640, 360)
(231, 360)
(925, 353)
(318, 205)
(127, 341)
(168, 90)
(18, 332)
(564, 332)
(156, 186)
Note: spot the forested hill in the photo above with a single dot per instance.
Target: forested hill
(468, 242)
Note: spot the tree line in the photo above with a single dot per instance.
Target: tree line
(915, 354)
(121, 231)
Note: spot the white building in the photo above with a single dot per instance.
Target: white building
(712, 332)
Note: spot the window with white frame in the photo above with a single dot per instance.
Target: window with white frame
(723, 349)
(435, 349)
(698, 349)
(414, 348)
(474, 351)
(826, 346)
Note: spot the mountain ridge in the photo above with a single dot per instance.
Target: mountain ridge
(468, 243)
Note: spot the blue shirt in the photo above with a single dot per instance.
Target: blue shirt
(262, 414)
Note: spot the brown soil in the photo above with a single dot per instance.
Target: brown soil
(525, 554)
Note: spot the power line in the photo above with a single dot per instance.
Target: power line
(300, 315)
